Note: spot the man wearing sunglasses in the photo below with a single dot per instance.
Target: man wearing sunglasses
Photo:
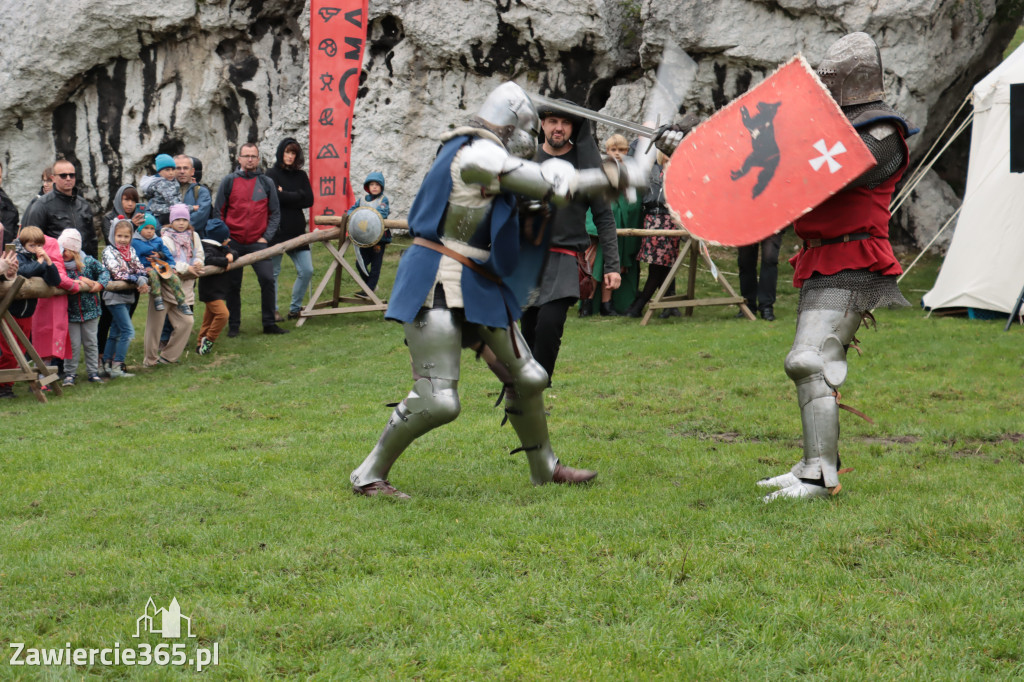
(63, 208)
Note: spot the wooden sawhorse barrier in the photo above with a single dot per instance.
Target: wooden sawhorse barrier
(692, 250)
(12, 334)
(333, 305)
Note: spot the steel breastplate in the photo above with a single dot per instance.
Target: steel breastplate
(468, 224)
(469, 207)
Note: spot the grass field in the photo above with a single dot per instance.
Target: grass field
(223, 483)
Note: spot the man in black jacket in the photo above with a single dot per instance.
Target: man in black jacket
(8, 213)
(63, 208)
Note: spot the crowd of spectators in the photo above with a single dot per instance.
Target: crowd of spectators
(158, 238)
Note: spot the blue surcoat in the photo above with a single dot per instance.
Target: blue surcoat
(484, 302)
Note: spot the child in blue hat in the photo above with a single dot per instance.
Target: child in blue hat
(373, 256)
(161, 190)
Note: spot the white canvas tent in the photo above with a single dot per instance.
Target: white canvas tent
(985, 264)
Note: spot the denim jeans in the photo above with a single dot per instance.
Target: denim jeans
(121, 333)
(303, 261)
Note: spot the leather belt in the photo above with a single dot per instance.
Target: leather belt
(478, 269)
(852, 237)
(455, 255)
(566, 252)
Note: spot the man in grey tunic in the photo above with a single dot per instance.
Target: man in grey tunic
(568, 138)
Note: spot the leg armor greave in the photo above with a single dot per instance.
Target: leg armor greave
(525, 381)
(434, 339)
(817, 365)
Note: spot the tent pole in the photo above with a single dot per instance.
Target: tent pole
(1015, 311)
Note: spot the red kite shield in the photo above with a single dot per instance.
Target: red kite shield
(764, 160)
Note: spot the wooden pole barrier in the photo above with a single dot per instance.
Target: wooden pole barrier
(339, 220)
(642, 232)
(36, 288)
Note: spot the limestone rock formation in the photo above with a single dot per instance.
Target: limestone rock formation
(111, 84)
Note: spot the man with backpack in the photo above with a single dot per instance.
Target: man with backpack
(247, 203)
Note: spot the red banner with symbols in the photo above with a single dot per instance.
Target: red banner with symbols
(765, 159)
(337, 36)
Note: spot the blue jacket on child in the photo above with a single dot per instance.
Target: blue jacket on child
(379, 202)
(144, 248)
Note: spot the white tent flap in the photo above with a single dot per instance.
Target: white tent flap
(985, 264)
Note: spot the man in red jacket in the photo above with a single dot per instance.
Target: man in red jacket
(846, 268)
(247, 203)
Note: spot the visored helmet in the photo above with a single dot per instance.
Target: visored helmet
(510, 114)
(852, 70)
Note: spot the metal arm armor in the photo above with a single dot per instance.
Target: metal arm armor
(482, 162)
(612, 179)
(554, 180)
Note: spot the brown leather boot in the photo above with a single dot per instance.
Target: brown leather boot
(380, 488)
(564, 474)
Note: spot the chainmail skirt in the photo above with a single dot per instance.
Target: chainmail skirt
(851, 290)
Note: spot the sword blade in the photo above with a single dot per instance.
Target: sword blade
(542, 101)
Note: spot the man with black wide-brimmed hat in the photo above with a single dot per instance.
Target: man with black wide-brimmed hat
(568, 138)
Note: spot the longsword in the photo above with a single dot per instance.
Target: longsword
(545, 102)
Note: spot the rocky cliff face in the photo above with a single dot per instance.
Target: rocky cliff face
(111, 84)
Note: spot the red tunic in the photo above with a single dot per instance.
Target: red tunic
(857, 209)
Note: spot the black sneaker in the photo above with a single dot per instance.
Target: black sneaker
(6, 391)
(272, 329)
(232, 333)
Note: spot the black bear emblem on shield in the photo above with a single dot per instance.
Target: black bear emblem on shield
(764, 152)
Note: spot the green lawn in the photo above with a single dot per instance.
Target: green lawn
(223, 483)
(1018, 38)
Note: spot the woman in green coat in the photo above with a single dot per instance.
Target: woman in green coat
(628, 215)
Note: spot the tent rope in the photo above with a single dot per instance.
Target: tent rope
(918, 171)
(955, 214)
(929, 244)
(910, 186)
